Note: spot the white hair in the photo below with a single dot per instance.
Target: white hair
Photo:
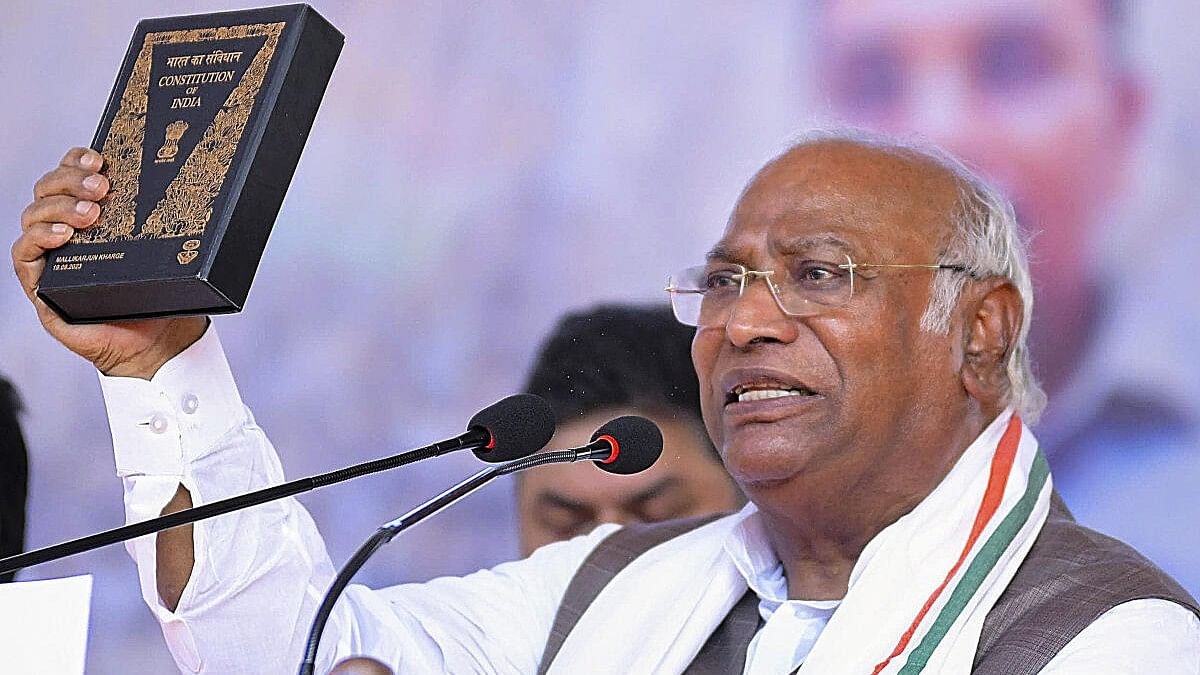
(985, 242)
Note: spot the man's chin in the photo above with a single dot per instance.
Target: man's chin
(765, 464)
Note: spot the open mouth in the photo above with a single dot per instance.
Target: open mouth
(764, 392)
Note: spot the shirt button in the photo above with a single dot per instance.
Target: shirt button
(190, 403)
(158, 424)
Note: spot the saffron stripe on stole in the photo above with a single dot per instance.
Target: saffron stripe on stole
(1002, 461)
(980, 567)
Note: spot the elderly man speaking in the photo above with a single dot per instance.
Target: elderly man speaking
(860, 348)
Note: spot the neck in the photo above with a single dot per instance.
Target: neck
(819, 523)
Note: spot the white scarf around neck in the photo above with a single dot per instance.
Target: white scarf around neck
(918, 595)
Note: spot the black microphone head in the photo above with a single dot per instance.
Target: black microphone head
(637, 443)
(519, 425)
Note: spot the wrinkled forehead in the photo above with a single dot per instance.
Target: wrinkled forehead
(841, 196)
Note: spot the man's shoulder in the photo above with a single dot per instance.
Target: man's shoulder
(664, 530)
(621, 547)
(1071, 577)
(606, 561)
(1076, 559)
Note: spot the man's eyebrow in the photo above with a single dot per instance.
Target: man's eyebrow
(561, 501)
(653, 490)
(720, 253)
(808, 242)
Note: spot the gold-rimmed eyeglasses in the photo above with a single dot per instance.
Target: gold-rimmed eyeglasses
(705, 295)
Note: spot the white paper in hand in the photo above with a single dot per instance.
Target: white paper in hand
(43, 625)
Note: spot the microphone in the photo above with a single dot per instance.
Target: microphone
(639, 446)
(624, 445)
(517, 426)
(512, 427)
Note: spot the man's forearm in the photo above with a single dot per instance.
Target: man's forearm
(236, 589)
(175, 553)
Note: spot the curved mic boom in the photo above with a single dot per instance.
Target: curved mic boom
(624, 445)
(512, 427)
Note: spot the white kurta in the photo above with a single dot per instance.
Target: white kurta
(260, 573)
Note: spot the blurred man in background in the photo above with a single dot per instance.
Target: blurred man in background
(14, 476)
(1039, 96)
(605, 362)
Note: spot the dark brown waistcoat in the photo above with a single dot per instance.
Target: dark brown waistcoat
(1071, 576)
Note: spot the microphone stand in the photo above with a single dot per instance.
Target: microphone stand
(473, 438)
(389, 530)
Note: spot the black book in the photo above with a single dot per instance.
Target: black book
(200, 138)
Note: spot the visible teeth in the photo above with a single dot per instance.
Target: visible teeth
(765, 394)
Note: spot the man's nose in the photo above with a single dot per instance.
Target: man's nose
(616, 514)
(756, 317)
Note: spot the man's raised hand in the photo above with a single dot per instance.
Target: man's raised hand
(64, 200)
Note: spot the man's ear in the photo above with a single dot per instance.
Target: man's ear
(990, 334)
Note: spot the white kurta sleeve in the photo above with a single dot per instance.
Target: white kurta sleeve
(260, 573)
(1143, 636)
(257, 571)
(492, 621)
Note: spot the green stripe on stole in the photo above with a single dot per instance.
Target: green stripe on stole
(980, 567)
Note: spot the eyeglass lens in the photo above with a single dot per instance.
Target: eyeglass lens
(705, 295)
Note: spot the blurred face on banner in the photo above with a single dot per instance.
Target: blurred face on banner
(1030, 92)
